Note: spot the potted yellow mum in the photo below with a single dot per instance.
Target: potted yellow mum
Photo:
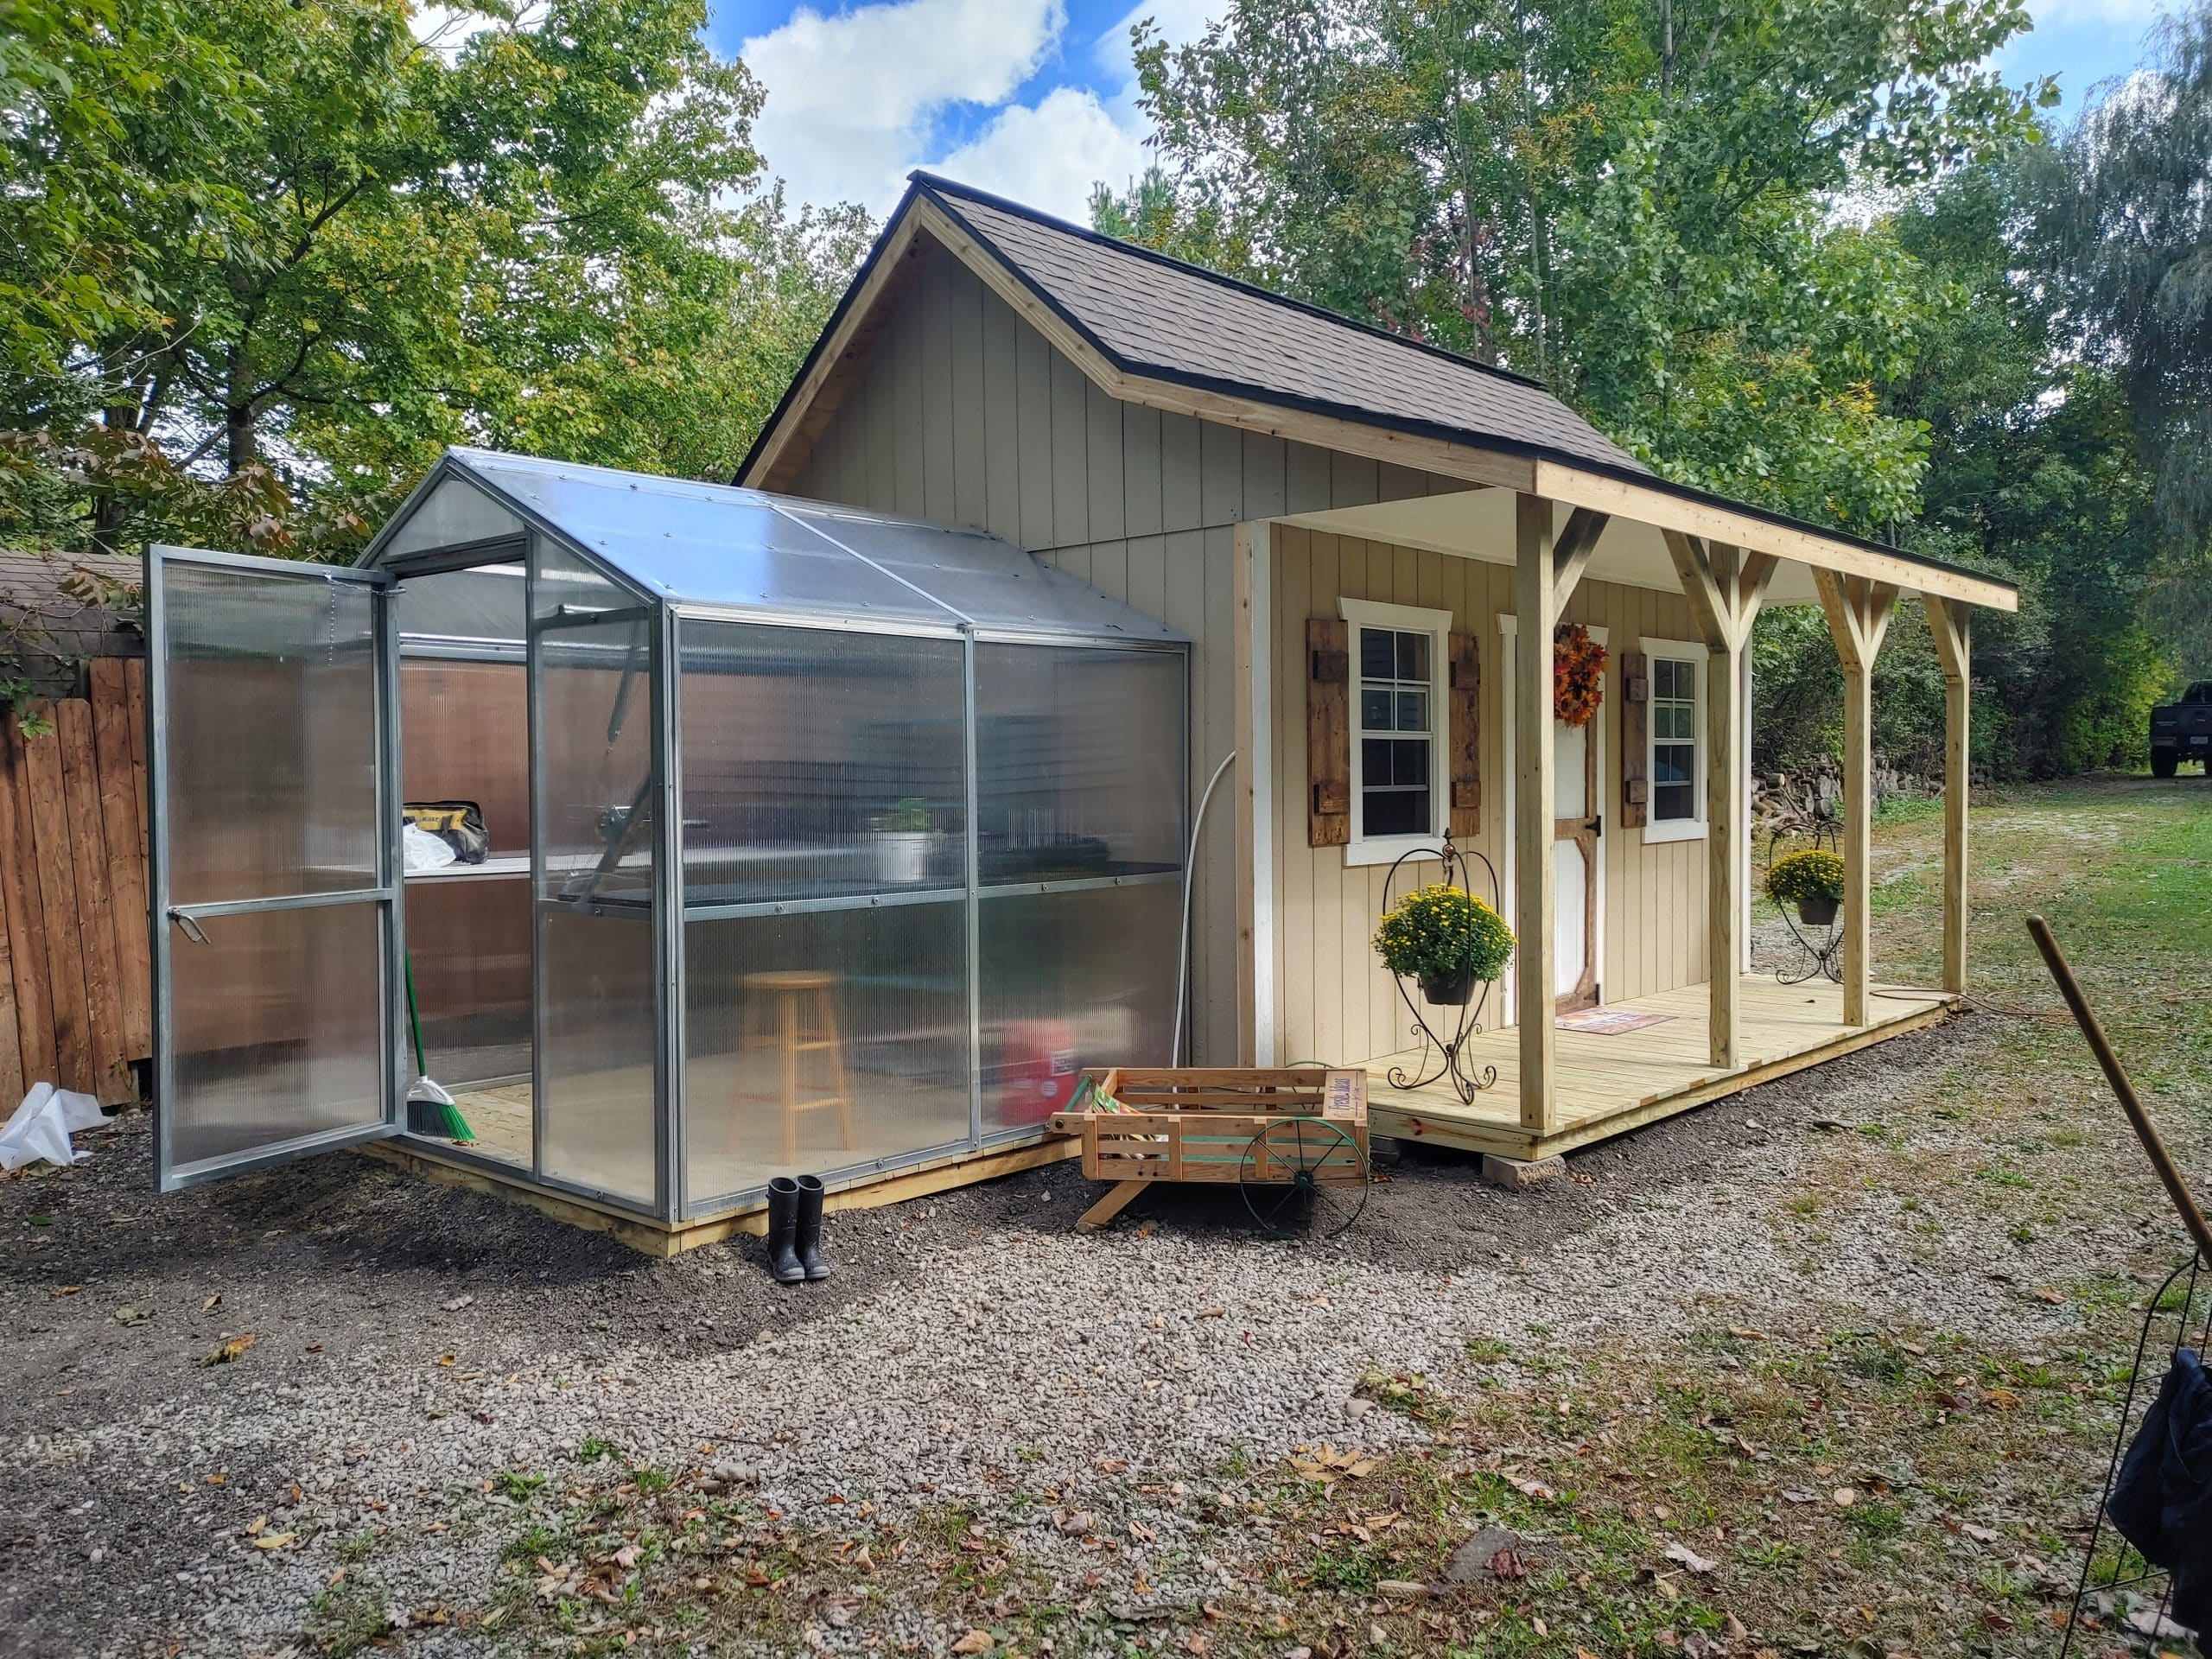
(1812, 881)
(1446, 938)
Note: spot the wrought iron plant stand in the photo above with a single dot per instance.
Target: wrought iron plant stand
(1819, 945)
(1443, 1059)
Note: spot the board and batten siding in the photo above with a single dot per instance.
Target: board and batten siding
(1334, 1002)
(962, 413)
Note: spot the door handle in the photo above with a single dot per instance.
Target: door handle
(192, 930)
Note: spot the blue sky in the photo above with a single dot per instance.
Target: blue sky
(1036, 99)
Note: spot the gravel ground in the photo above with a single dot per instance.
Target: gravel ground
(412, 1342)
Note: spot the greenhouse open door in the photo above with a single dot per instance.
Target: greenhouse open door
(273, 726)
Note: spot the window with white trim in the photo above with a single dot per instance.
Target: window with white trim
(1674, 724)
(1398, 737)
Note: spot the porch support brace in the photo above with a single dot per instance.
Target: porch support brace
(1536, 603)
(1947, 621)
(1859, 615)
(1725, 587)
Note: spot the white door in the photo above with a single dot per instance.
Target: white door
(273, 724)
(1576, 826)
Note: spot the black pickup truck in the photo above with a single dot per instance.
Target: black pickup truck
(2183, 731)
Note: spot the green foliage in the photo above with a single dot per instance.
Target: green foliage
(1812, 874)
(1440, 931)
(297, 237)
(2124, 222)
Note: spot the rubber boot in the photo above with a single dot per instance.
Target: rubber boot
(782, 1226)
(809, 1227)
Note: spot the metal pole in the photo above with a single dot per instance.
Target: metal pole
(2101, 1045)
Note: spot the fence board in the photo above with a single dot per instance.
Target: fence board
(25, 911)
(134, 688)
(57, 882)
(120, 827)
(80, 787)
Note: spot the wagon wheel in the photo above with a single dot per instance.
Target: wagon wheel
(1303, 1174)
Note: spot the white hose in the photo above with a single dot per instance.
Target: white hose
(1182, 952)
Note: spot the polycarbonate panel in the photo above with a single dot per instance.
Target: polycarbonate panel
(1073, 980)
(992, 584)
(272, 734)
(823, 1040)
(453, 511)
(706, 542)
(819, 763)
(469, 942)
(1079, 762)
(596, 1066)
(593, 669)
(486, 605)
(276, 1028)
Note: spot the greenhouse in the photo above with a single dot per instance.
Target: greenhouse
(705, 834)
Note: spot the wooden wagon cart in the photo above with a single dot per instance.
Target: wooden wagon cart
(1294, 1138)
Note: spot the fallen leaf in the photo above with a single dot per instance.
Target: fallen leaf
(1689, 1557)
(67, 1290)
(1844, 1497)
(130, 1316)
(457, 1304)
(1745, 1333)
(447, 1359)
(225, 1353)
(274, 1540)
(212, 1303)
(1400, 1587)
(2000, 1399)
(1979, 1534)
(2047, 1294)
(974, 1641)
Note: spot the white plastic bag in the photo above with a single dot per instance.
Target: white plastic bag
(423, 851)
(42, 1126)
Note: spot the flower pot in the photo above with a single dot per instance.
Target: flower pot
(1454, 991)
(902, 856)
(1816, 912)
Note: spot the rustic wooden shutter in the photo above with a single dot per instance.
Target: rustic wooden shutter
(1635, 709)
(1463, 737)
(1328, 731)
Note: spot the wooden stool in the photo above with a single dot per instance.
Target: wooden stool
(795, 1013)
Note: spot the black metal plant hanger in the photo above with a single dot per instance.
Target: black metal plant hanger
(1444, 1058)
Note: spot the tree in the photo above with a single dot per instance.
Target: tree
(1633, 200)
(549, 231)
(2124, 224)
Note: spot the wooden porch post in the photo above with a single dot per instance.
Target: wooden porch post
(1725, 589)
(1536, 603)
(1859, 615)
(1947, 621)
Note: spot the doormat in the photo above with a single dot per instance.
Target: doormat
(1610, 1022)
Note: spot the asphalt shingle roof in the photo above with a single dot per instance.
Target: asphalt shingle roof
(1160, 316)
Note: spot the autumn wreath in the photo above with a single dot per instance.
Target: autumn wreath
(1578, 674)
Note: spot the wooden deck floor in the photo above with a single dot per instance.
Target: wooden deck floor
(1609, 1083)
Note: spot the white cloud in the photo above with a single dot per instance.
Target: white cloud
(2053, 14)
(1048, 156)
(852, 96)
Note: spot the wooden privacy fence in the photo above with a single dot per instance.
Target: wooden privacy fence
(76, 977)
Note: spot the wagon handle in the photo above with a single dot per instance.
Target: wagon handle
(2115, 1074)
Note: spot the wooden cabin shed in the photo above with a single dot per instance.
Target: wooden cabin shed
(1336, 516)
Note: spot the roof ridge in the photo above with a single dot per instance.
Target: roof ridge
(934, 183)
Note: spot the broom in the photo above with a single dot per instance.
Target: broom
(431, 1109)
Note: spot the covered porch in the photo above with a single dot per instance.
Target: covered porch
(1607, 1081)
(1663, 945)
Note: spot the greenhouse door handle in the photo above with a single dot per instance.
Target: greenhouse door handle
(192, 929)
